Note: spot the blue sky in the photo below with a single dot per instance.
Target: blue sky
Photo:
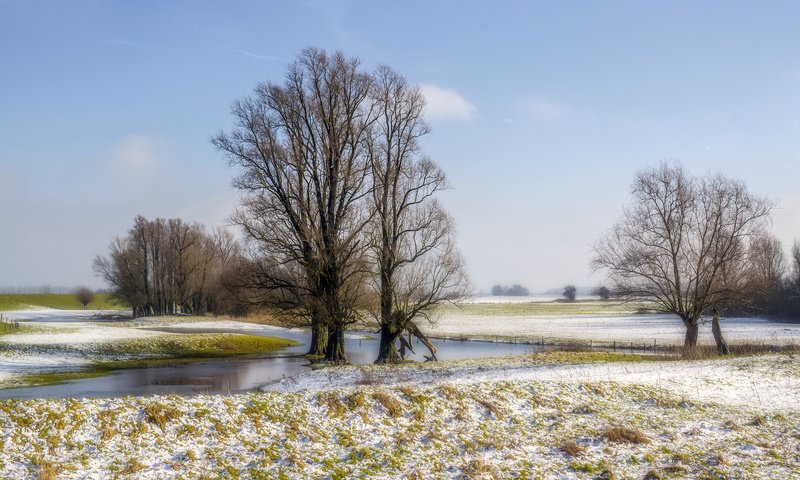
(542, 112)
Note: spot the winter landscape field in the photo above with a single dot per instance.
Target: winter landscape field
(548, 413)
(451, 239)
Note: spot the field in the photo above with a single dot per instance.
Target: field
(523, 418)
(548, 415)
(584, 307)
(62, 301)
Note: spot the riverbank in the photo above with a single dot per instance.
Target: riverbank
(601, 416)
(55, 345)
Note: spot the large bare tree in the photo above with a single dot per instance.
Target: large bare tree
(300, 150)
(682, 244)
(416, 263)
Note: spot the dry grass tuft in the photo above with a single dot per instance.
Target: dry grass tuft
(573, 448)
(392, 405)
(733, 425)
(107, 434)
(492, 407)
(758, 421)
(449, 392)
(46, 470)
(159, 414)
(336, 407)
(132, 467)
(477, 467)
(621, 434)
(652, 475)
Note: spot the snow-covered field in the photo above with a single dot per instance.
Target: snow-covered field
(604, 330)
(551, 415)
(507, 419)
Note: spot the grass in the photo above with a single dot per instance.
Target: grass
(62, 301)
(588, 307)
(297, 435)
(197, 345)
(55, 378)
(9, 327)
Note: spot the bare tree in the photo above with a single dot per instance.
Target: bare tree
(682, 243)
(85, 295)
(164, 267)
(417, 264)
(569, 293)
(299, 148)
(794, 277)
(766, 273)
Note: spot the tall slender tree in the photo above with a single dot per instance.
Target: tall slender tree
(415, 260)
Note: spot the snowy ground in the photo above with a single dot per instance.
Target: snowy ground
(768, 382)
(552, 415)
(511, 419)
(634, 329)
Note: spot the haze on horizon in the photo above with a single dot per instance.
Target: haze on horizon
(541, 114)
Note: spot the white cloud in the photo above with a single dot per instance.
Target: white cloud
(446, 104)
(137, 155)
(545, 109)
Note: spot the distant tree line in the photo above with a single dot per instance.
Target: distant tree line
(515, 290)
(169, 266)
(774, 281)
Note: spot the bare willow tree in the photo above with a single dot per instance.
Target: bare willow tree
(300, 150)
(416, 263)
(682, 244)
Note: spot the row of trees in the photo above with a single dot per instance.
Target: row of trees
(515, 290)
(778, 279)
(339, 210)
(170, 266)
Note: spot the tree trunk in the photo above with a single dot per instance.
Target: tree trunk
(722, 345)
(413, 329)
(335, 350)
(387, 352)
(692, 330)
(319, 339)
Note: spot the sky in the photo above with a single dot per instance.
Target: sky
(541, 115)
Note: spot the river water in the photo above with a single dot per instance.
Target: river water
(241, 374)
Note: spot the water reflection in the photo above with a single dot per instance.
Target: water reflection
(241, 374)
